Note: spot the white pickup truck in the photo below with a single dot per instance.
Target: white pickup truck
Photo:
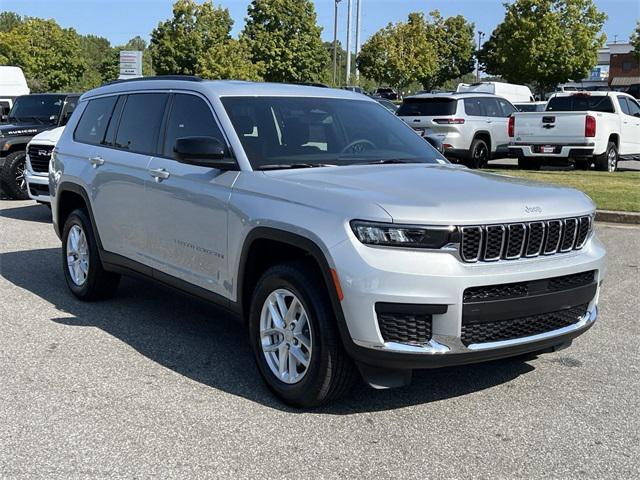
(586, 128)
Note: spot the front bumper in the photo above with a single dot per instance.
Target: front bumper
(38, 187)
(370, 276)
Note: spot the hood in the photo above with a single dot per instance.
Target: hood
(22, 129)
(48, 136)
(442, 194)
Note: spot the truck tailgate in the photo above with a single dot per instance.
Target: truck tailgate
(553, 128)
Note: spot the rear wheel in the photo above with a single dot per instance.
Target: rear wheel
(81, 263)
(13, 176)
(608, 162)
(295, 338)
(478, 154)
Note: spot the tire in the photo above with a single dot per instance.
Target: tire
(525, 163)
(97, 283)
(581, 164)
(329, 372)
(479, 154)
(608, 161)
(14, 182)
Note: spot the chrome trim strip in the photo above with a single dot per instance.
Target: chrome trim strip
(557, 245)
(574, 234)
(432, 347)
(586, 320)
(586, 237)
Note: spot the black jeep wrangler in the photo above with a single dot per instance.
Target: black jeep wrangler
(30, 115)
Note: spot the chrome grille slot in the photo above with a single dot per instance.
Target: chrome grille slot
(490, 243)
(39, 156)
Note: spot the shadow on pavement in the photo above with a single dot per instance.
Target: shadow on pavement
(196, 340)
(29, 213)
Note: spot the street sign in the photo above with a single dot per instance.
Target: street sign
(130, 64)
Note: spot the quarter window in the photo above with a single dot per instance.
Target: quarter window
(94, 121)
(140, 124)
(190, 117)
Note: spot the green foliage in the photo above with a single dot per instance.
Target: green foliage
(9, 20)
(283, 36)
(545, 42)
(429, 51)
(50, 56)
(635, 40)
(197, 41)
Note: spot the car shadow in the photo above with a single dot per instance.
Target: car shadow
(199, 341)
(29, 213)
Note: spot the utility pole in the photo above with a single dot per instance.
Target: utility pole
(335, 42)
(480, 35)
(358, 21)
(348, 79)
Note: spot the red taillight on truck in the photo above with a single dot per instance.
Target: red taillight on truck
(590, 126)
(512, 126)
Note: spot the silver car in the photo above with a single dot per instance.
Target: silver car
(348, 244)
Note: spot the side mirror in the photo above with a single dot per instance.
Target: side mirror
(203, 152)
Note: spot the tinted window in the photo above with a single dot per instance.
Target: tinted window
(140, 123)
(490, 107)
(580, 103)
(190, 117)
(623, 105)
(427, 107)
(94, 121)
(110, 137)
(4, 108)
(68, 108)
(473, 107)
(506, 107)
(281, 131)
(634, 108)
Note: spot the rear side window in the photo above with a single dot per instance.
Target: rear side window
(624, 106)
(474, 107)
(140, 122)
(490, 107)
(581, 103)
(507, 108)
(94, 121)
(190, 117)
(427, 107)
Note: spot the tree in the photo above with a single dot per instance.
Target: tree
(283, 35)
(197, 41)
(545, 42)
(9, 20)
(635, 40)
(455, 48)
(97, 54)
(50, 56)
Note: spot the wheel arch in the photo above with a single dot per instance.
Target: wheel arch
(483, 135)
(71, 196)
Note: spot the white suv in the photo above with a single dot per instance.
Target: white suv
(39, 151)
(473, 127)
(345, 241)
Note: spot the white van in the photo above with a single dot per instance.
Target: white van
(513, 93)
(12, 85)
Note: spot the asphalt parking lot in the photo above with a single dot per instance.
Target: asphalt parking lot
(155, 384)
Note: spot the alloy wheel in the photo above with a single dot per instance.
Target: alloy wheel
(77, 255)
(612, 160)
(285, 336)
(21, 179)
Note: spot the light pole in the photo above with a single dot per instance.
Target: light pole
(358, 20)
(335, 42)
(348, 79)
(480, 35)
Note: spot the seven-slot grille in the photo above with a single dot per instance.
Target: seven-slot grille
(39, 156)
(488, 243)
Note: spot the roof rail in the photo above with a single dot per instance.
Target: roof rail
(186, 78)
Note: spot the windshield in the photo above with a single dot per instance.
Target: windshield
(37, 108)
(427, 107)
(286, 132)
(581, 103)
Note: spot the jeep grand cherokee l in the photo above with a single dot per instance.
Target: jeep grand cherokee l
(348, 244)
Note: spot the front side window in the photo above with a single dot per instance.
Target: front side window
(490, 107)
(190, 117)
(280, 132)
(634, 108)
(140, 122)
(94, 120)
(506, 107)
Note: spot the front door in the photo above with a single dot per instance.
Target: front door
(187, 204)
(630, 128)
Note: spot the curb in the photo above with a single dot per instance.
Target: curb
(612, 216)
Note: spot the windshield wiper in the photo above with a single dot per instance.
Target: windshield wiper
(278, 166)
(389, 161)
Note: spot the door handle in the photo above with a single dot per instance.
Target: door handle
(96, 161)
(159, 174)
(489, 121)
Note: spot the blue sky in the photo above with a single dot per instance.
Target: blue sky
(119, 20)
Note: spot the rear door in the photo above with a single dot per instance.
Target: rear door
(187, 204)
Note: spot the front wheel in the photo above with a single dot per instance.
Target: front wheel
(295, 339)
(13, 176)
(608, 162)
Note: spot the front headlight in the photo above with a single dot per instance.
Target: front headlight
(413, 236)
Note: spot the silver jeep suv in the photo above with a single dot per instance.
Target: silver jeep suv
(347, 243)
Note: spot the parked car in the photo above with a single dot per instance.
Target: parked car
(347, 244)
(512, 92)
(39, 151)
(30, 115)
(386, 92)
(471, 126)
(12, 85)
(598, 128)
(354, 88)
(531, 106)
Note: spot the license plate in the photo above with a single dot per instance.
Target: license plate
(548, 149)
